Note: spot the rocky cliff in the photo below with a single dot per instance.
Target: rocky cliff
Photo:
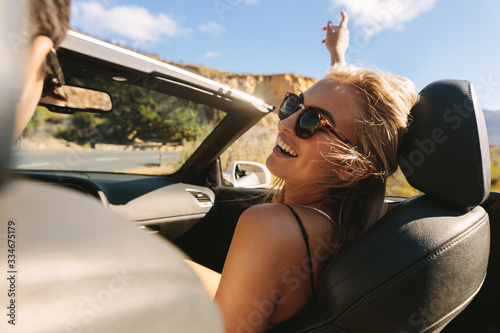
(269, 88)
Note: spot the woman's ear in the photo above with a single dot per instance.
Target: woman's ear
(33, 82)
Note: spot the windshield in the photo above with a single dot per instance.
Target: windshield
(146, 133)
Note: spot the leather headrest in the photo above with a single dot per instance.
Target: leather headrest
(445, 153)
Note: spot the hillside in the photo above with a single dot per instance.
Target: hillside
(493, 126)
(271, 89)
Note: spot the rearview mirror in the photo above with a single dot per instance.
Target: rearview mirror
(71, 99)
(247, 174)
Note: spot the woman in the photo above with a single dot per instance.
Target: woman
(335, 148)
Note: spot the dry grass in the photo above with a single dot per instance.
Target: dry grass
(255, 145)
(495, 168)
(397, 186)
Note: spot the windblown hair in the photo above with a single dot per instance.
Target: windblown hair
(357, 201)
(50, 18)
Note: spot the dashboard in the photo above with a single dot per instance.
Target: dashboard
(152, 202)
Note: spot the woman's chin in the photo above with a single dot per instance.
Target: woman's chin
(276, 166)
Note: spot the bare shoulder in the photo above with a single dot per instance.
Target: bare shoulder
(264, 264)
(276, 229)
(278, 217)
(261, 253)
(270, 218)
(269, 231)
(267, 211)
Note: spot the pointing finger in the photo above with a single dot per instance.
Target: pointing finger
(345, 19)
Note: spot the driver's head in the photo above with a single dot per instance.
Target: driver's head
(48, 21)
(50, 18)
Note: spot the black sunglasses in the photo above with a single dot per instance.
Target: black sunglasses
(310, 119)
(54, 77)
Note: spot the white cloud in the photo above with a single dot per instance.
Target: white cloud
(132, 22)
(252, 2)
(212, 29)
(211, 54)
(377, 15)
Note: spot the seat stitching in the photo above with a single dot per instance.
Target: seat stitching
(421, 262)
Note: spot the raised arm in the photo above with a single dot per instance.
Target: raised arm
(337, 39)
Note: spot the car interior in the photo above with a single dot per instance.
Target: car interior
(104, 250)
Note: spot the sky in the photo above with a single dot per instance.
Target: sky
(424, 40)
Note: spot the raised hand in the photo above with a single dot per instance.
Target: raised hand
(337, 39)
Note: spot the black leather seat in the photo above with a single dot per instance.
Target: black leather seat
(425, 260)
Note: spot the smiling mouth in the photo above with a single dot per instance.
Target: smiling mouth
(285, 148)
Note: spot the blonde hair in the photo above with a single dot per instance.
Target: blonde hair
(385, 102)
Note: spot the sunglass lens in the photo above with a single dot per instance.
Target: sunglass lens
(307, 124)
(290, 105)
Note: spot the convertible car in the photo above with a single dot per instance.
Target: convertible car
(140, 142)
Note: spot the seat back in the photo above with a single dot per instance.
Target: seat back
(14, 48)
(424, 261)
(75, 266)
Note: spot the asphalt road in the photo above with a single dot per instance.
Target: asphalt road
(88, 160)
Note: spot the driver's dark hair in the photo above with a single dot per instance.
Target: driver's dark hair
(50, 18)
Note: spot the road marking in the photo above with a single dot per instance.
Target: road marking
(32, 165)
(102, 159)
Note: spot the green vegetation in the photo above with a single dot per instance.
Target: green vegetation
(140, 115)
(141, 119)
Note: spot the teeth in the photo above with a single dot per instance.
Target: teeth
(286, 147)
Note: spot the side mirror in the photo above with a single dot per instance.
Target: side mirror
(247, 174)
(71, 99)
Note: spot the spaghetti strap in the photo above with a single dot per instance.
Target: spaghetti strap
(309, 259)
(319, 211)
